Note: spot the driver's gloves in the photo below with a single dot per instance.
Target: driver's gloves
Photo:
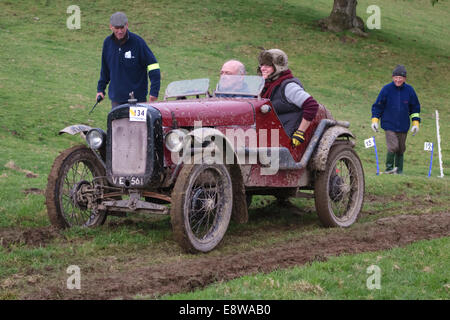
(298, 138)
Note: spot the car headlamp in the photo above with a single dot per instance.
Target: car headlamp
(174, 140)
(96, 138)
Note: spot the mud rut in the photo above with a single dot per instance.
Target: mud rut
(202, 270)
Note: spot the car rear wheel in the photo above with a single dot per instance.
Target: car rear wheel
(339, 190)
(72, 169)
(202, 202)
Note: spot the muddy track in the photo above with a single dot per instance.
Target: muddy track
(202, 270)
(33, 237)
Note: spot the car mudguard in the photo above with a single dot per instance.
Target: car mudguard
(83, 130)
(319, 159)
(76, 128)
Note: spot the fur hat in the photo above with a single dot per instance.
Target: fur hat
(275, 58)
(399, 70)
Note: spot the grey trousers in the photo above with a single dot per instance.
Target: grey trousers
(396, 141)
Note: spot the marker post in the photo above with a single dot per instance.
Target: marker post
(368, 143)
(439, 144)
(376, 156)
(429, 146)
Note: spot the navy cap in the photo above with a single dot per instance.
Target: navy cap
(399, 71)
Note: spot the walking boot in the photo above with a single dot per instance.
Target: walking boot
(399, 163)
(390, 163)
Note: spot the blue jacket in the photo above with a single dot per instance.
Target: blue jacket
(395, 105)
(125, 68)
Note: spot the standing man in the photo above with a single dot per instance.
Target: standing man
(395, 105)
(126, 60)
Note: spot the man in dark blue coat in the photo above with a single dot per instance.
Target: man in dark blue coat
(395, 105)
(126, 61)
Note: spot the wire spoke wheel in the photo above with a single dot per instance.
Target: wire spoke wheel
(205, 205)
(201, 206)
(339, 190)
(72, 170)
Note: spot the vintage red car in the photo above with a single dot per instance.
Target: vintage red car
(200, 157)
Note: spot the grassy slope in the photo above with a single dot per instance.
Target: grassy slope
(48, 79)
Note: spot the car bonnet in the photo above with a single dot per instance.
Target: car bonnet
(207, 112)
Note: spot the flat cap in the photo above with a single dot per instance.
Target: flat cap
(118, 19)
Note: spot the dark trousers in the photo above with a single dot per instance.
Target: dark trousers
(115, 103)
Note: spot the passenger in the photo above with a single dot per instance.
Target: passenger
(294, 106)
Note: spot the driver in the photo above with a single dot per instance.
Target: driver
(229, 80)
(233, 67)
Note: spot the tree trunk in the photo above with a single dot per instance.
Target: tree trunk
(343, 17)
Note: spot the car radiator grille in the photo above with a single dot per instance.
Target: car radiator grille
(129, 147)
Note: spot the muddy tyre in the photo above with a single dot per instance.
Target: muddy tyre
(72, 168)
(339, 190)
(202, 202)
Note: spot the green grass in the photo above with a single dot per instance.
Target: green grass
(418, 271)
(48, 79)
(50, 72)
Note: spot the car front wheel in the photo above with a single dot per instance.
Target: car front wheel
(73, 169)
(202, 201)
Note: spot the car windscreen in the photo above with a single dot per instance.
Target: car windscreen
(185, 88)
(239, 86)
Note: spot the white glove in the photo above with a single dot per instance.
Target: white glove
(414, 130)
(375, 126)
